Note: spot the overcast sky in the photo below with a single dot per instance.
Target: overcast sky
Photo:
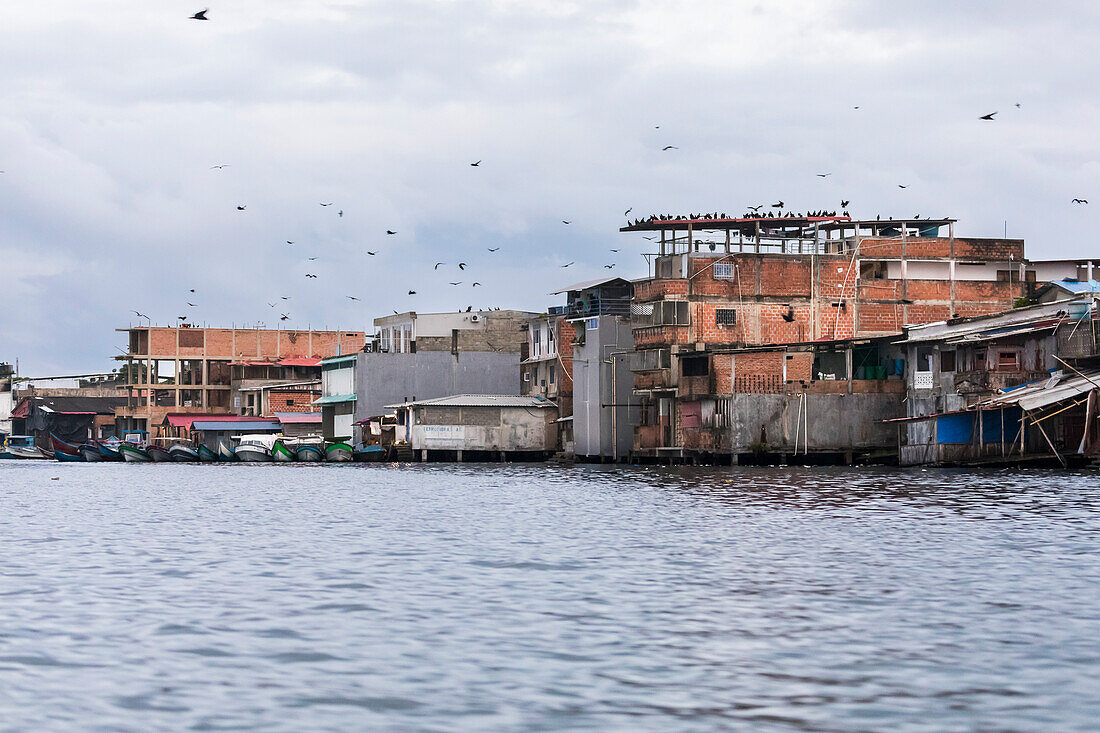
(113, 112)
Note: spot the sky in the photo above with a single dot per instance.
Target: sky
(113, 113)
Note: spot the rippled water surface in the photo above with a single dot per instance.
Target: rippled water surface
(441, 597)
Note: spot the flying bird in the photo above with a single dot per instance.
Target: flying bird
(328, 204)
(192, 290)
(824, 175)
(614, 250)
(756, 208)
(139, 315)
(567, 264)
(311, 259)
(627, 212)
(372, 254)
(493, 249)
(285, 297)
(563, 221)
(219, 166)
(270, 305)
(1017, 105)
(240, 208)
(856, 107)
(475, 165)
(608, 267)
(457, 283)
(181, 318)
(311, 275)
(648, 239)
(777, 206)
(192, 305)
(462, 265)
(905, 186)
(390, 231)
(1080, 201)
(284, 317)
(201, 15)
(670, 147)
(289, 242)
(438, 264)
(412, 292)
(988, 116)
(844, 204)
(340, 213)
(475, 285)
(351, 297)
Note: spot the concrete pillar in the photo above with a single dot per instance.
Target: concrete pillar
(458, 456)
(424, 455)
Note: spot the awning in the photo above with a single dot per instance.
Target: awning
(1046, 393)
(23, 409)
(334, 399)
(294, 361)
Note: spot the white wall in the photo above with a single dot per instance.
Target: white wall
(338, 381)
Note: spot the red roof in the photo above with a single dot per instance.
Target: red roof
(303, 361)
(23, 409)
(185, 421)
(298, 418)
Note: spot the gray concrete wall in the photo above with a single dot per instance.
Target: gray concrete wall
(386, 379)
(597, 383)
(486, 428)
(833, 422)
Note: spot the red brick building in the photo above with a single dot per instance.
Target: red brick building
(726, 285)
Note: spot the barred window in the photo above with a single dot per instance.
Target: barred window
(725, 317)
(723, 271)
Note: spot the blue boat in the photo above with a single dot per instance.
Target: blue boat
(68, 457)
(109, 452)
(369, 453)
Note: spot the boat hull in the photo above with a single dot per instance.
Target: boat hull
(206, 455)
(310, 454)
(66, 458)
(158, 454)
(280, 453)
(109, 453)
(134, 454)
(24, 453)
(90, 453)
(60, 446)
(225, 453)
(370, 453)
(338, 453)
(183, 454)
(252, 454)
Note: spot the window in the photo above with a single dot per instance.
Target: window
(650, 359)
(536, 341)
(552, 371)
(527, 376)
(872, 270)
(290, 403)
(670, 313)
(1008, 361)
(725, 317)
(384, 341)
(695, 366)
(724, 271)
(947, 361)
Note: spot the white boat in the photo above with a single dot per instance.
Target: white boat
(256, 447)
(23, 447)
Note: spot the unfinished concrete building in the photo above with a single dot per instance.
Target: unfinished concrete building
(185, 370)
(721, 284)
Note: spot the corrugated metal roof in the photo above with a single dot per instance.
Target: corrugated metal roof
(481, 400)
(298, 418)
(240, 427)
(1046, 392)
(336, 361)
(1078, 286)
(333, 399)
(590, 284)
(186, 421)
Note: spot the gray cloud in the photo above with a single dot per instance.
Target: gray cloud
(111, 115)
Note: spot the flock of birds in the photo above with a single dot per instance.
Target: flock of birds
(776, 211)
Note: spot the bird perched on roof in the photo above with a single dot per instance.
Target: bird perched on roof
(201, 15)
(988, 116)
(469, 308)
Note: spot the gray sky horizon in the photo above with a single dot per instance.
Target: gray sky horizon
(112, 115)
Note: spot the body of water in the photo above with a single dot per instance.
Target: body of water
(528, 597)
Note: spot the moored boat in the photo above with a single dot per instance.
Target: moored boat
(372, 453)
(206, 455)
(281, 451)
(310, 449)
(109, 451)
(61, 446)
(133, 453)
(338, 452)
(22, 447)
(181, 453)
(255, 448)
(158, 453)
(225, 453)
(67, 458)
(90, 453)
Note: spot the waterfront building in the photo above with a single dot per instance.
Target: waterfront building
(420, 356)
(185, 370)
(74, 417)
(7, 404)
(603, 416)
(1009, 387)
(721, 284)
(481, 427)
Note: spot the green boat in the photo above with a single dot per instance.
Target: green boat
(133, 453)
(338, 452)
(206, 455)
(280, 453)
